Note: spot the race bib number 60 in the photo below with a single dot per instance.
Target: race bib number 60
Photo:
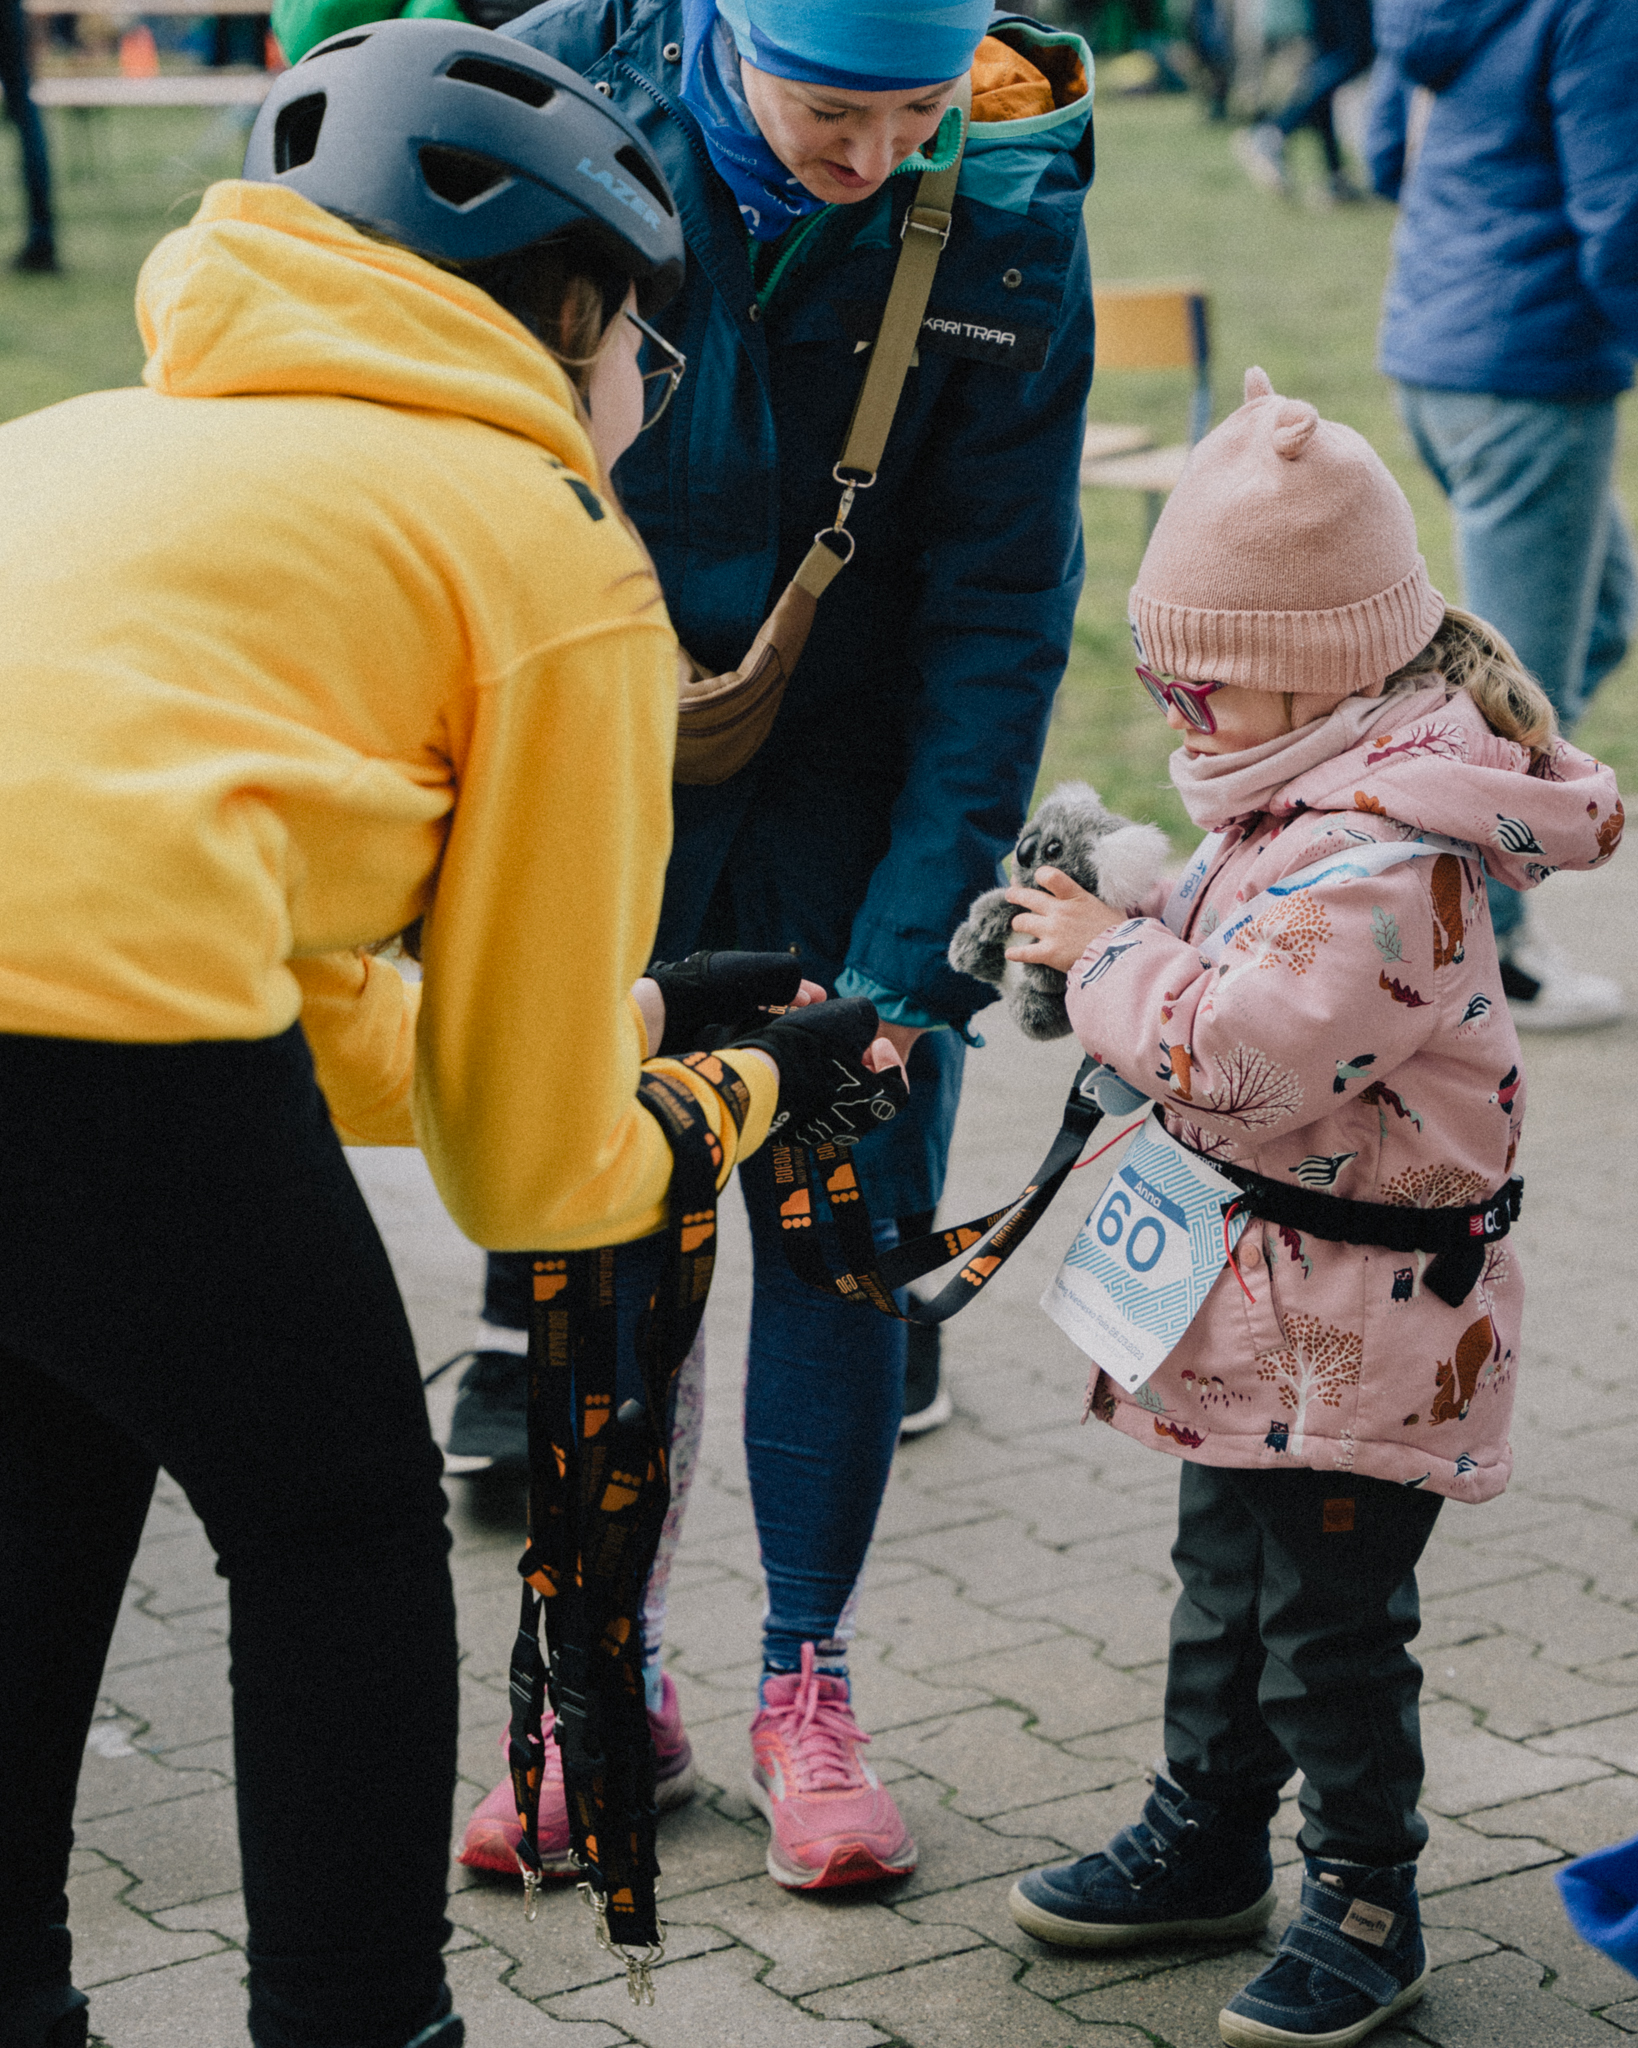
(1144, 1229)
(1145, 1259)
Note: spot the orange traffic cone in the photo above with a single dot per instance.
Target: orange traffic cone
(138, 53)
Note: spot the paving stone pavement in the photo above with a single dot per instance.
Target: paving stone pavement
(1010, 1660)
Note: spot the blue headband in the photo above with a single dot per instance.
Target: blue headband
(859, 45)
(769, 198)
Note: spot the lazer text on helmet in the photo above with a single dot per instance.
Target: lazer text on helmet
(627, 194)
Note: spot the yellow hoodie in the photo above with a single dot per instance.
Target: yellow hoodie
(324, 629)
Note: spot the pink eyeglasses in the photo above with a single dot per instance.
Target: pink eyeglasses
(1188, 699)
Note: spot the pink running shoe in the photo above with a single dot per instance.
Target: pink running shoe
(832, 1822)
(492, 1834)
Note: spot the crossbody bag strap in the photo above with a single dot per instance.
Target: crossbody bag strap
(724, 719)
(922, 237)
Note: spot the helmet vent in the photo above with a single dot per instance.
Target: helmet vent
(457, 176)
(339, 43)
(296, 132)
(527, 86)
(635, 164)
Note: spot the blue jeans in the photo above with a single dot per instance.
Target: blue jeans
(824, 1397)
(1545, 551)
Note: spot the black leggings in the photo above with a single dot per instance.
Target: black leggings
(191, 1279)
(1288, 1652)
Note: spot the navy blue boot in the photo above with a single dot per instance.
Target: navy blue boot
(1186, 1871)
(1351, 1960)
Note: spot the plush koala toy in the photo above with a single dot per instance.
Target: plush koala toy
(1117, 860)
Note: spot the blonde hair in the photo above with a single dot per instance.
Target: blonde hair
(573, 316)
(1472, 656)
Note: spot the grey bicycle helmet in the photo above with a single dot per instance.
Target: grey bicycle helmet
(465, 145)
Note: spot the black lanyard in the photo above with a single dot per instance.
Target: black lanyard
(599, 1487)
(817, 1187)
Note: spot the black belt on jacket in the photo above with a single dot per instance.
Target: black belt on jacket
(1458, 1237)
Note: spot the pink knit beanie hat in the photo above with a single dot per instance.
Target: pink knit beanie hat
(1284, 560)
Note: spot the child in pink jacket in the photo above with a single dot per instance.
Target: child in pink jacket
(1319, 1013)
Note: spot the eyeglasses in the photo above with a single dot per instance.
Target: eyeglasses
(659, 386)
(1187, 699)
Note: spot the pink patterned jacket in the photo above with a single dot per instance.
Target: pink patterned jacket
(1355, 1040)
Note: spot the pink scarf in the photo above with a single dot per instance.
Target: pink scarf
(1216, 788)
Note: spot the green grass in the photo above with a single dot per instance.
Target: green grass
(123, 179)
(1294, 289)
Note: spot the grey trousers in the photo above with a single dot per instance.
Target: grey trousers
(1288, 1652)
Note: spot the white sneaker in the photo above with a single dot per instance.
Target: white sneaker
(1545, 993)
(1260, 153)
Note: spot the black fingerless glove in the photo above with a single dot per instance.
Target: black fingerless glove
(710, 996)
(826, 1094)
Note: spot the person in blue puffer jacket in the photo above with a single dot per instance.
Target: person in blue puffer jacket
(1511, 325)
(902, 762)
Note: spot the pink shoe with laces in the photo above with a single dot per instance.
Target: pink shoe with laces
(492, 1834)
(832, 1821)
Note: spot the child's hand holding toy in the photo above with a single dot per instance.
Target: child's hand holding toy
(1070, 857)
(1062, 918)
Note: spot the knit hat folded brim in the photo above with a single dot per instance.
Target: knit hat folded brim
(1344, 651)
(1285, 560)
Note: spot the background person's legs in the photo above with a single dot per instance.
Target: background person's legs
(1529, 484)
(687, 1428)
(193, 1262)
(1615, 610)
(1546, 557)
(1343, 48)
(39, 252)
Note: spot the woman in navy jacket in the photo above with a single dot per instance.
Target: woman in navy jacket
(904, 755)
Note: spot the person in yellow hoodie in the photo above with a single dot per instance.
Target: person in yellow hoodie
(331, 630)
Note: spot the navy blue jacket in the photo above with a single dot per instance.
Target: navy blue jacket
(905, 753)
(1516, 256)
